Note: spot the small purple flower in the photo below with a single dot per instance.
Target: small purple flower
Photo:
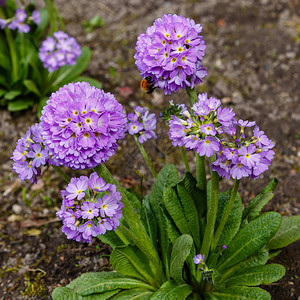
(224, 247)
(89, 210)
(207, 146)
(88, 229)
(3, 23)
(208, 129)
(58, 50)
(38, 155)
(199, 259)
(107, 206)
(36, 17)
(238, 171)
(248, 157)
(76, 188)
(104, 225)
(96, 183)
(20, 15)
(171, 53)
(142, 123)
(262, 139)
(225, 116)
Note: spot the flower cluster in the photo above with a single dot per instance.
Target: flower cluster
(201, 129)
(90, 207)
(142, 123)
(170, 52)
(81, 125)
(21, 20)
(30, 155)
(244, 157)
(58, 51)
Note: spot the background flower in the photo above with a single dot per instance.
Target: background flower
(171, 53)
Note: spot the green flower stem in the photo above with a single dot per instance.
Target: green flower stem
(61, 173)
(52, 14)
(192, 94)
(212, 208)
(184, 158)
(226, 213)
(136, 231)
(201, 172)
(146, 158)
(13, 53)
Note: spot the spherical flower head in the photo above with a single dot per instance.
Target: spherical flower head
(199, 259)
(81, 125)
(171, 53)
(90, 207)
(141, 123)
(58, 50)
(30, 154)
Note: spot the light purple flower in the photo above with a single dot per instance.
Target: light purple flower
(38, 155)
(248, 157)
(89, 210)
(81, 125)
(238, 171)
(107, 206)
(2, 23)
(208, 146)
(36, 17)
(104, 225)
(88, 229)
(208, 129)
(76, 188)
(199, 259)
(97, 184)
(171, 53)
(58, 50)
(225, 116)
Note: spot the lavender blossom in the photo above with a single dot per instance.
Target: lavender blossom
(58, 50)
(171, 53)
(94, 213)
(243, 157)
(36, 17)
(199, 259)
(200, 130)
(30, 154)
(81, 125)
(143, 123)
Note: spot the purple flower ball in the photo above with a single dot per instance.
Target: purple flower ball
(58, 50)
(171, 53)
(81, 125)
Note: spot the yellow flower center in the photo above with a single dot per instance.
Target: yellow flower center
(38, 155)
(75, 112)
(180, 49)
(104, 206)
(89, 225)
(69, 120)
(178, 36)
(88, 121)
(174, 59)
(247, 155)
(78, 192)
(90, 211)
(79, 124)
(207, 142)
(86, 134)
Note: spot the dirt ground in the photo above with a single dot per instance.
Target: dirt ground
(253, 62)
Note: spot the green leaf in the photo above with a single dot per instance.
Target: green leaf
(91, 81)
(130, 260)
(111, 238)
(239, 293)
(190, 184)
(190, 212)
(41, 105)
(64, 293)
(180, 252)
(167, 177)
(66, 74)
(134, 294)
(136, 203)
(258, 258)
(169, 225)
(12, 95)
(175, 210)
(250, 239)
(257, 203)
(91, 283)
(288, 233)
(233, 222)
(19, 104)
(257, 275)
(31, 86)
(149, 220)
(171, 291)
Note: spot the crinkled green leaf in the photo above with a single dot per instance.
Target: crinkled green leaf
(31, 86)
(239, 293)
(133, 294)
(64, 293)
(170, 291)
(180, 252)
(130, 260)
(288, 233)
(250, 239)
(257, 275)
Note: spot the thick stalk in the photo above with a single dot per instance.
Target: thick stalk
(184, 158)
(212, 208)
(201, 172)
(61, 173)
(226, 213)
(52, 14)
(13, 54)
(146, 157)
(192, 94)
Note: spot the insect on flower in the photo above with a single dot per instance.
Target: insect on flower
(147, 85)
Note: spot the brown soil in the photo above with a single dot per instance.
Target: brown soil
(253, 62)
